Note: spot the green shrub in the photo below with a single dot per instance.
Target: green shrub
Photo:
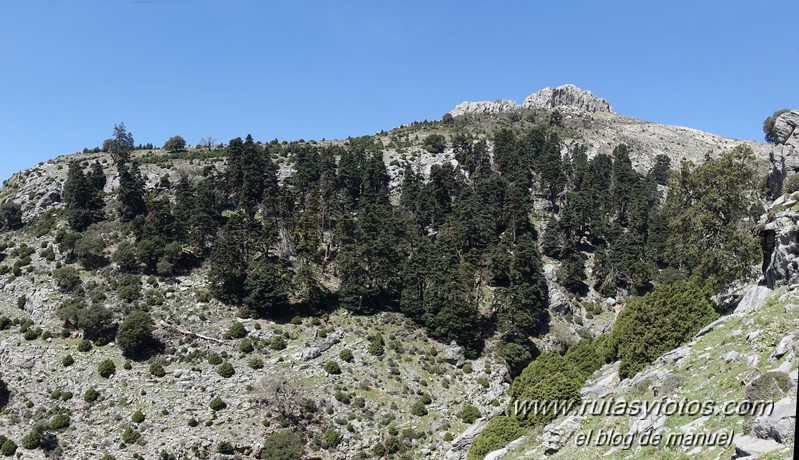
(157, 370)
(331, 367)
(377, 346)
(67, 278)
(9, 448)
(469, 414)
(658, 322)
(331, 438)
(32, 440)
(91, 395)
(278, 343)
(59, 422)
(245, 346)
(418, 409)
(217, 404)
(137, 417)
(346, 355)
(467, 368)
(214, 359)
(225, 448)
(282, 445)
(106, 368)
(225, 370)
(256, 363)
(236, 331)
(135, 334)
(498, 433)
(84, 346)
(296, 321)
(130, 436)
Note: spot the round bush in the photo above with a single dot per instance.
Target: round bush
(91, 395)
(225, 370)
(217, 404)
(8, 448)
(157, 370)
(346, 355)
(137, 417)
(106, 368)
(214, 359)
(84, 346)
(331, 367)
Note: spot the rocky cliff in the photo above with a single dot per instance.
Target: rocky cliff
(785, 156)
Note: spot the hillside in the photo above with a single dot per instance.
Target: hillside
(375, 296)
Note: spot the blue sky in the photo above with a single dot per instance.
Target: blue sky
(70, 69)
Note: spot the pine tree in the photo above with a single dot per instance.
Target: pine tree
(84, 205)
(131, 192)
(516, 210)
(121, 145)
(230, 260)
(265, 285)
(572, 270)
(553, 238)
(551, 169)
(528, 293)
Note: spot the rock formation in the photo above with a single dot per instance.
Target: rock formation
(567, 97)
(785, 157)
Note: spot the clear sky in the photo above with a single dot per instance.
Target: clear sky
(70, 69)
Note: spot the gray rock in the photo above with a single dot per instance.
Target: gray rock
(780, 235)
(779, 424)
(711, 326)
(558, 433)
(501, 453)
(730, 356)
(785, 156)
(604, 384)
(673, 356)
(484, 107)
(752, 300)
(750, 446)
(785, 345)
(454, 355)
(567, 97)
(550, 272)
(460, 446)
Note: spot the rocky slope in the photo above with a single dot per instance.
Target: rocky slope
(371, 396)
(749, 355)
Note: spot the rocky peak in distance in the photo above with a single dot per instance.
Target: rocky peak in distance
(568, 97)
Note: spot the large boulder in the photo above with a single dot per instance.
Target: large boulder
(779, 423)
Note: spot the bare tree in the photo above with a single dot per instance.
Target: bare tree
(208, 143)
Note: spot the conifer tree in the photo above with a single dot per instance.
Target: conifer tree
(553, 238)
(572, 270)
(551, 169)
(83, 202)
(130, 192)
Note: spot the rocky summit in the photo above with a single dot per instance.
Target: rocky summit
(398, 295)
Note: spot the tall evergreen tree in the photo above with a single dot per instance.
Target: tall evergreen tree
(131, 192)
(84, 204)
(550, 168)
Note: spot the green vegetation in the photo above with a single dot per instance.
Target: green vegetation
(282, 445)
(658, 322)
(135, 334)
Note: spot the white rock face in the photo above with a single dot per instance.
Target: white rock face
(484, 107)
(568, 97)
